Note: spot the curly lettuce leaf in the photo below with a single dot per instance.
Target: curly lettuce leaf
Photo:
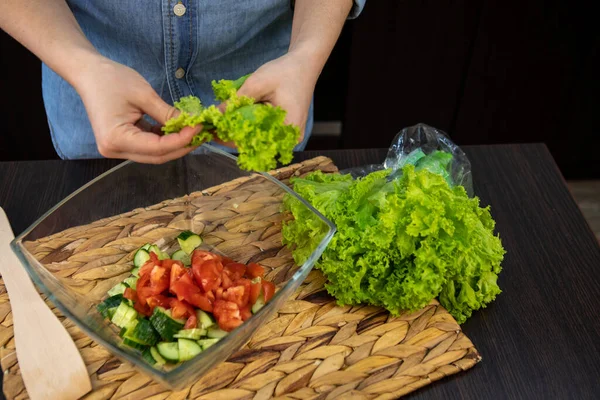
(401, 240)
(225, 89)
(259, 131)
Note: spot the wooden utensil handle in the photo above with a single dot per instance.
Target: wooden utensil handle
(50, 363)
(16, 279)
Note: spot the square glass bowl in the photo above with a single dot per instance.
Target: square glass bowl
(85, 245)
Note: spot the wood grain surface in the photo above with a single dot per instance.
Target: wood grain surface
(540, 338)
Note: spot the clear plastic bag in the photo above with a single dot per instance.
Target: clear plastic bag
(411, 146)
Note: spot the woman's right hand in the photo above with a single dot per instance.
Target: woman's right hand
(116, 98)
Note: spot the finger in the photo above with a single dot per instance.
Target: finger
(148, 127)
(155, 107)
(136, 141)
(149, 159)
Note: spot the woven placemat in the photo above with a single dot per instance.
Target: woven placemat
(310, 349)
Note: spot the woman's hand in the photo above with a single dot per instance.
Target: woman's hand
(116, 98)
(288, 82)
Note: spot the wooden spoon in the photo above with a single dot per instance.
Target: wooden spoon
(50, 364)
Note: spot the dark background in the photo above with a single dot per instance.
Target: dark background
(483, 71)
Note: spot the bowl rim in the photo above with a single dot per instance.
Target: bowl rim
(167, 378)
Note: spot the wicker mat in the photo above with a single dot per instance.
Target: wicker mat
(310, 349)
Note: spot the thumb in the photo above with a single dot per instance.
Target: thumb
(156, 108)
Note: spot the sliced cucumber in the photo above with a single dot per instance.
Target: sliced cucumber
(134, 345)
(159, 253)
(182, 256)
(146, 246)
(140, 258)
(193, 334)
(131, 281)
(189, 241)
(188, 349)
(119, 288)
(109, 305)
(216, 333)
(206, 343)
(135, 272)
(124, 314)
(147, 355)
(164, 324)
(260, 302)
(169, 351)
(204, 319)
(142, 332)
(157, 357)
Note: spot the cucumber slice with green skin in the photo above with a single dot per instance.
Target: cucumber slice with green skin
(189, 241)
(206, 343)
(134, 345)
(182, 256)
(205, 321)
(140, 258)
(124, 314)
(165, 325)
(109, 304)
(119, 288)
(142, 332)
(169, 351)
(159, 253)
(146, 246)
(147, 355)
(216, 333)
(135, 272)
(188, 349)
(157, 357)
(131, 281)
(260, 302)
(193, 334)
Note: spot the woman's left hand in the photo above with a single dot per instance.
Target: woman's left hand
(288, 82)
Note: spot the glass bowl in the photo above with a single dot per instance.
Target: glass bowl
(85, 245)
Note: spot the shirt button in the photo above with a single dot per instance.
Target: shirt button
(180, 73)
(179, 9)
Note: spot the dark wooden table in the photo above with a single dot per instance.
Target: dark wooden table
(539, 339)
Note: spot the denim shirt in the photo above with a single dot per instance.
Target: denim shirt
(179, 47)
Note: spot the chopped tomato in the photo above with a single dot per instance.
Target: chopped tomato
(268, 290)
(159, 301)
(219, 293)
(235, 270)
(142, 308)
(177, 271)
(181, 309)
(226, 260)
(245, 312)
(227, 314)
(130, 294)
(235, 294)
(146, 268)
(255, 289)
(254, 270)
(211, 296)
(199, 256)
(168, 263)
(154, 259)
(192, 322)
(191, 294)
(227, 281)
(246, 284)
(208, 274)
(159, 279)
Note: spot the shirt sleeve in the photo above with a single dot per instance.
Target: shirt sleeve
(357, 8)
